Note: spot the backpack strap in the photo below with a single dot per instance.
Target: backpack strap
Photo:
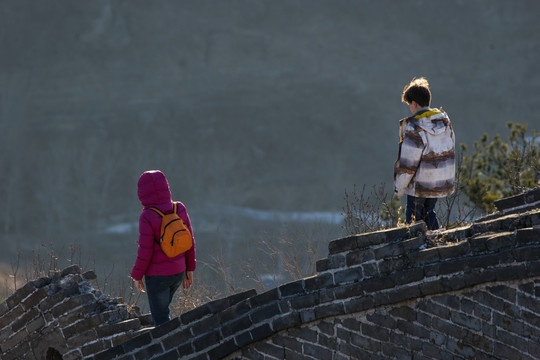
(160, 213)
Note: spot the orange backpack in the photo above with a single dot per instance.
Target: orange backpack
(175, 237)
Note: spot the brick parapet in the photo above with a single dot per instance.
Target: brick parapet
(376, 271)
(62, 313)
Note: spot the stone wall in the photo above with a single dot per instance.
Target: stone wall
(404, 293)
(63, 317)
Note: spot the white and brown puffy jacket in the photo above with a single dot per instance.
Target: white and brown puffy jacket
(425, 166)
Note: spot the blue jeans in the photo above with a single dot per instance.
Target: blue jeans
(422, 209)
(160, 291)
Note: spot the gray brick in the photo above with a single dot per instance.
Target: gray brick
(265, 313)
(526, 253)
(171, 355)
(482, 312)
(451, 301)
(319, 281)
(94, 347)
(21, 321)
(304, 333)
(236, 326)
(79, 339)
(459, 348)
(381, 319)
(400, 248)
(286, 321)
(359, 304)
(365, 342)
(307, 315)
(165, 328)
(264, 298)
(402, 293)
(175, 339)
(35, 324)
(293, 355)
(375, 332)
(329, 342)
(447, 328)
(292, 289)
(317, 351)
(432, 287)
(123, 326)
(137, 342)
(466, 320)
(148, 352)
(404, 312)
(302, 302)
(500, 241)
(201, 343)
(288, 343)
(478, 276)
(11, 316)
(223, 349)
(202, 326)
(34, 298)
(336, 261)
(3, 308)
(427, 256)
(322, 265)
(271, 349)
(408, 276)
(354, 352)
(395, 352)
(394, 264)
(359, 257)
(453, 251)
(343, 244)
(435, 309)
(370, 269)
(528, 236)
(334, 309)
(352, 324)
(377, 284)
(233, 312)
(17, 297)
(349, 275)
(243, 339)
(504, 292)
(326, 328)
(504, 351)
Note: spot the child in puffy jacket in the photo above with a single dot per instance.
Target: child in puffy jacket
(162, 275)
(425, 168)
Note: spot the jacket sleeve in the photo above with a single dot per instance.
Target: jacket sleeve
(145, 248)
(190, 255)
(410, 154)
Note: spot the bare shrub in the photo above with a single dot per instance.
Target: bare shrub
(371, 211)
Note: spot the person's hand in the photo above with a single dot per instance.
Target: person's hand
(188, 280)
(140, 286)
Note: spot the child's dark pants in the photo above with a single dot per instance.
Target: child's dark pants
(422, 209)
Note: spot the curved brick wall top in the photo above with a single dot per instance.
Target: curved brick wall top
(62, 315)
(470, 292)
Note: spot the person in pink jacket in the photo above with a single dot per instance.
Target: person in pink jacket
(162, 275)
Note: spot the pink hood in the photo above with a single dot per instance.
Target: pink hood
(153, 191)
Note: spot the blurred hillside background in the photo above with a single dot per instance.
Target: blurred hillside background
(261, 113)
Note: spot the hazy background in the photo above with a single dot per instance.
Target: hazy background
(260, 112)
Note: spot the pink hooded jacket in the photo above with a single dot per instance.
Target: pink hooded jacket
(153, 191)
